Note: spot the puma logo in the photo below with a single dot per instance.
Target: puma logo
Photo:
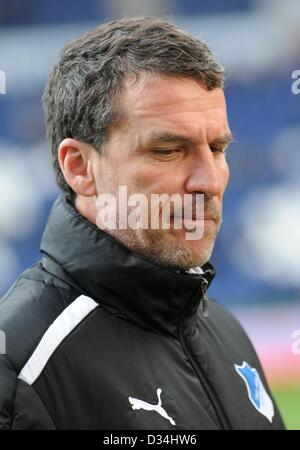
(141, 404)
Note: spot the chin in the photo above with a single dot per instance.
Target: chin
(168, 248)
(183, 254)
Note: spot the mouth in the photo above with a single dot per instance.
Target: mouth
(193, 223)
(194, 218)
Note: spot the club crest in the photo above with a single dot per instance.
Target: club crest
(257, 393)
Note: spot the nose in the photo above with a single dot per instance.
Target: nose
(204, 174)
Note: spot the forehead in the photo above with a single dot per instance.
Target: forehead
(172, 102)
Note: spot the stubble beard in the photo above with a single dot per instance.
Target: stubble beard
(164, 248)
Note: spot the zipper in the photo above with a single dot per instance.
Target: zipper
(204, 297)
(218, 409)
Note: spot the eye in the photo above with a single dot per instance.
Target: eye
(216, 149)
(166, 151)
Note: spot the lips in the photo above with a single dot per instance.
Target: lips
(193, 213)
(194, 217)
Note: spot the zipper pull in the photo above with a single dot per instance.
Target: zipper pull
(204, 298)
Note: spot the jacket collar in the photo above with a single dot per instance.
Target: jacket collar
(127, 284)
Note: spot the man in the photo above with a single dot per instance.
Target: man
(113, 328)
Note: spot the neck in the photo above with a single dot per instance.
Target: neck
(86, 206)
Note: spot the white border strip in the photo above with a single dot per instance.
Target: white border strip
(63, 325)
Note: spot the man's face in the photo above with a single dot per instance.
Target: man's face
(171, 140)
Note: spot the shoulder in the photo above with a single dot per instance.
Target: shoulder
(28, 309)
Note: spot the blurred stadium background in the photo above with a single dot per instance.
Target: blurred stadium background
(257, 255)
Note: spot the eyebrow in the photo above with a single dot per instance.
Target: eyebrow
(224, 140)
(164, 137)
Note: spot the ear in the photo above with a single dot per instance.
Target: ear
(75, 162)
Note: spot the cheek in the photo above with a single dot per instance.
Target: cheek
(105, 180)
(113, 174)
(148, 179)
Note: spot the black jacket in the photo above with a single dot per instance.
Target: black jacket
(100, 338)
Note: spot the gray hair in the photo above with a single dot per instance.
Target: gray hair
(81, 96)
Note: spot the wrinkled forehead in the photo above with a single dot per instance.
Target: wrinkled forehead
(172, 102)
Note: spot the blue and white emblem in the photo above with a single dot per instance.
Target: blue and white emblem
(257, 393)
